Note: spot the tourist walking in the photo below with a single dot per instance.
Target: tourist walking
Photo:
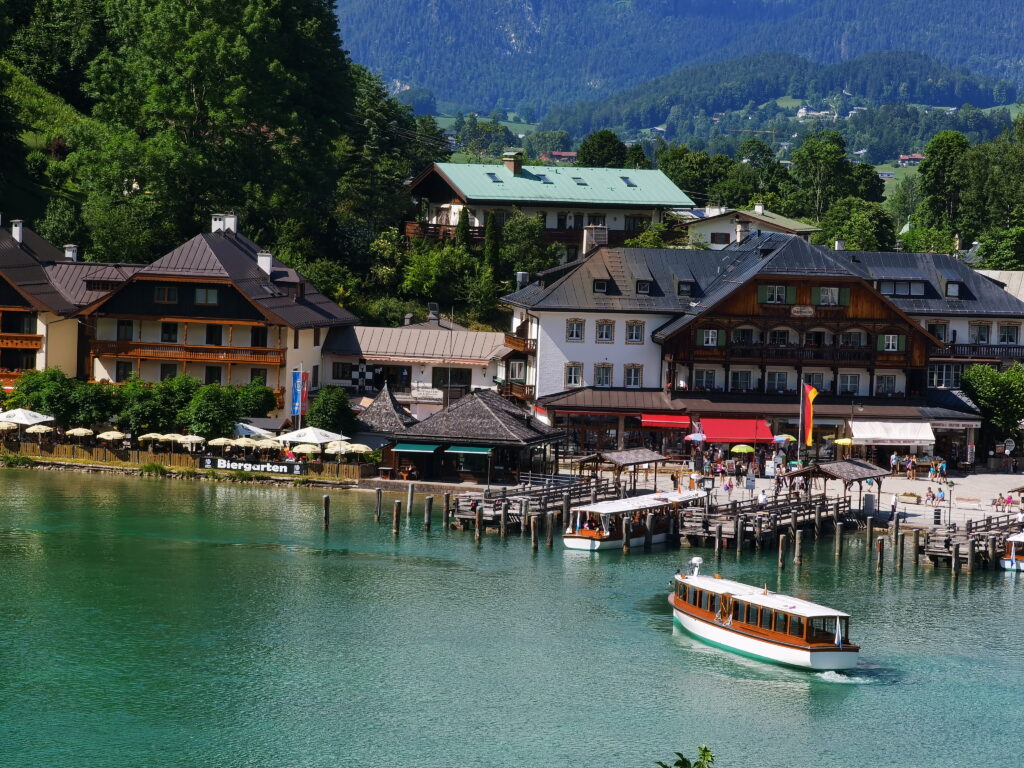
(762, 499)
(892, 507)
(894, 463)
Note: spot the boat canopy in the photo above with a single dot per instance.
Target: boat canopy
(758, 596)
(1016, 537)
(917, 433)
(637, 503)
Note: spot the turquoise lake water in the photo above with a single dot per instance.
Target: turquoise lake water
(166, 623)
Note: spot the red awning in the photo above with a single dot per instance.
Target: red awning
(674, 420)
(736, 431)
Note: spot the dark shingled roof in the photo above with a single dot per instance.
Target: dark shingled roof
(83, 282)
(21, 264)
(385, 415)
(627, 458)
(851, 470)
(481, 418)
(229, 256)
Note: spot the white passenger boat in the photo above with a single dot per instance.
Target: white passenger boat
(765, 625)
(1013, 558)
(600, 525)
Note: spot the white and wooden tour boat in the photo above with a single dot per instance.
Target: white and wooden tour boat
(1013, 558)
(600, 525)
(765, 625)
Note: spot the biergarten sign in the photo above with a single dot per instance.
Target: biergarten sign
(273, 467)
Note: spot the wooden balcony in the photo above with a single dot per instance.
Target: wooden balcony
(517, 390)
(616, 237)
(1008, 352)
(20, 341)
(763, 354)
(10, 378)
(520, 344)
(187, 353)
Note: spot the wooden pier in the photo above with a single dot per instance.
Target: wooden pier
(978, 544)
(747, 523)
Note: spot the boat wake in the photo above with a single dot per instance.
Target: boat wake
(844, 679)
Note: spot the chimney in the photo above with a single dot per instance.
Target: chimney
(840, 245)
(433, 311)
(513, 161)
(593, 236)
(18, 230)
(71, 252)
(522, 280)
(231, 223)
(759, 209)
(742, 229)
(265, 261)
(408, 318)
(218, 223)
(300, 290)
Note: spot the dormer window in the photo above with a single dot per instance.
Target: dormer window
(683, 288)
(600, 286)
(953, 290)
(643, 287)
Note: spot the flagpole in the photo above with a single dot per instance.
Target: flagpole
(800, 435)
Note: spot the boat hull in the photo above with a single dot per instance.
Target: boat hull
(587, 544)
(723, 637)
(1011, 564)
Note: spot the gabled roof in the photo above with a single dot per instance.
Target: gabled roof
(227, 256)
(22, 265)
(542, 184)
(409, 344)
(385, 414)
(482, 417)
(766, 218)
(440, 323)
(78, 281)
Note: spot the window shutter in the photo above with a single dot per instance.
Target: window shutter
(815, 296)
(881, 342)
(844, 297)
(791, 294)
(721, 338)
(901, 343)
(762, 294)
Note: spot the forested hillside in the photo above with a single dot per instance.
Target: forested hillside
(531, 55)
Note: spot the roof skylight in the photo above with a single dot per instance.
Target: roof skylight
(580, 181)
(494, 177)
(628, 181)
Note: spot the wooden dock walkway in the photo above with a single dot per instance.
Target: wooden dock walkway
(535, 499)
(978, 544)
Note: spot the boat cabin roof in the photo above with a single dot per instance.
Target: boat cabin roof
(1016, 537)
(758, 596)
(637, 503)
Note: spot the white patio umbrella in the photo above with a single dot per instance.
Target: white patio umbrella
(246, 442)
(191, 439)
(337, 447)
(359, 448)
(248, 430)
(151, 436)
(171, 437)
(267, 444)
(310, 435)
(7, 425)
(306, 448)
(38, 429)
(79, 432)
(24, 417)
(221, 441)
(111, 435)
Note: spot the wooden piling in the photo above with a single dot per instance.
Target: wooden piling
(879, 553)
(593, 493)
(627, 534)
(447, 507)
(524, 517)
(327, 512)
(993, 556)
(396, 518)
(838, 533)
(737, 533)
(901, 543)
(503, 521)
(549, 530)
(649, 532)
(792, 520)
(798, 548)
(758, 532)
(408, 499)
(895, 525)
(566, 510)
(378, 503)
(782, 551)
(955, 563)
(970, 555)
(533, 532)
(817, 520)
(428, 512)
(917, 546)
(479, 528)
(870, 534)
(718, 540)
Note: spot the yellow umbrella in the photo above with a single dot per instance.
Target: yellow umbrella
(359, 448)
(151, 436)
(7, 425)
(844, 441)
(78, 432)
(306, 448)
(742, 449)
(111, 435)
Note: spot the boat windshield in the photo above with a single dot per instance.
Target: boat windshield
(822, 629)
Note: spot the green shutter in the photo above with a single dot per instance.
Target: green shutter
(762, 294)
(881, 342)
(844, 297)
(901, 343)
(815, 296)
(721, 337)
(791, 294)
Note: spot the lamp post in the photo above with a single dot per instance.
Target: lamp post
(949, 503)
(860, 409)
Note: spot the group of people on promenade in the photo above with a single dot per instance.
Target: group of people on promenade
(909, 465)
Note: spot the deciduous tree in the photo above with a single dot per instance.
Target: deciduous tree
(331, 410)
(601, 149)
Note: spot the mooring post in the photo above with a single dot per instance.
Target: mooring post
(970, 555)
(524, 517)
(649, 532)
(792, 519)
(503, 522)
(817, 520)
(993, 558)
(737, 533)
(782, 551)
(479, 529)
(917, 546)
(798, 548)
(378, 506)
(901, 543)
(895, 525)
(758, 532)
(549, 530)
(718, 540)
(955, 563)
(870, 535)
(627, 534)
(879, 553)
(396, 518)
(566, 511)
(533, 532)
(447, 507)
(327, 512)
(428, 512)
(408, 499)
(593, 494)
(838, 533)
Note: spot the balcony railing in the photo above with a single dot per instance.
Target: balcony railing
(21, 341)
(188, 352)
(565, 236)
(763, 353)
(520, 344)
(517, 390)
(982, 351)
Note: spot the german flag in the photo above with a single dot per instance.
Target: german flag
(807, 413)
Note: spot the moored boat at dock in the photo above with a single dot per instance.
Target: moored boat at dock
(601, 525)
(1013, 558)
(765, 625)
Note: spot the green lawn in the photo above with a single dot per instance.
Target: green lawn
(1015, 109)
(901, 173)
(447, 121)
(788, 102)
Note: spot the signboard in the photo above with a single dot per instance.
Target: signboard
(955, 424)
(300, 392)
(801, 310)
(970, 453)
(750, 482)
(1009, 445)
(273, 467)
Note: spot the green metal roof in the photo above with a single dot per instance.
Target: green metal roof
(542, 184)
(467, 449)
(415, 448)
